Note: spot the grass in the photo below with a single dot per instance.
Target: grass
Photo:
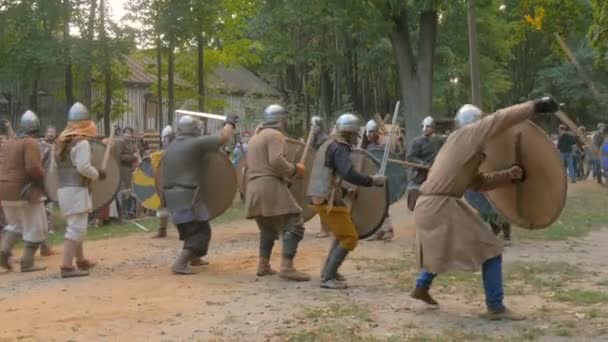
(543, 275)
(583, 213)
(236, 212)
(328, 332)
(582, 297)
(398, 270)
(338, 310)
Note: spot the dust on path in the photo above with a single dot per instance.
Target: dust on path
(133, 296)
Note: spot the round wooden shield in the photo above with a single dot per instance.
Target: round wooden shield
(144, 184)
(369, 205)
(538, 201)
(396, 175)
(218, 183)
(102, 191)
(293, 153)
(299, 186)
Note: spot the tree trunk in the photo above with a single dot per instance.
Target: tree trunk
(159, 81)
(107, 70)
(170, 79)
(201, 72)
(474, 55)
(34, 92)
(415, 79)
(69, 95)
(88, 69)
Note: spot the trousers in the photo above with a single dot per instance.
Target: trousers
(491, 274)
(27, 219)
(340, 224)
(77, 225)
(196, 236)
(291, 226)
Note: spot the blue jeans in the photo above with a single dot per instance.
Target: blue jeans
(568, 159)
(596, 168)
(491, 273)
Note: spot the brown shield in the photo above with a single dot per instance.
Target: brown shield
(369, 205)
(218, 183)
(217, 186)
(293, 153)
(102, 191)
(299, 186)
(537, 201)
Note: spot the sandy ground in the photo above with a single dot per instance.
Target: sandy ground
(132, 296)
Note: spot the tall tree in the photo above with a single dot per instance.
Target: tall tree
(106, 67)
(88, 67)
(69, 91)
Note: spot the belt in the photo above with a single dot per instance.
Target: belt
(441, 194)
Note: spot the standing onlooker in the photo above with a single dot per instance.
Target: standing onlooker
(46, 146)
(126, 148)
(565, 145)
(598, 140)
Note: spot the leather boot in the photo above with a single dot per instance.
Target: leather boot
(339, 277)
(162, 228)
(9, 239)
(502, 314)
(181, 266)
(199, 261)
(264, 268)
(27, 260)
(423, 294)
(288, 272)
(336, 258)
(81, 262)
(69, 253)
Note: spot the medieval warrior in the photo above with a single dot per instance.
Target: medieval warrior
(74, 173)
(450, 235)
(319, 137)
(268, 199)
(21, 184)
(373, 141)
(167, 136)
(182, 173)
(422, 151)
(332, 165)
(46, 147)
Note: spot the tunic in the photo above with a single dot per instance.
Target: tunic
(77, 199)
(450, 236)
(268, 174)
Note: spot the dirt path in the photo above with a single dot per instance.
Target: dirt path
(133, 296)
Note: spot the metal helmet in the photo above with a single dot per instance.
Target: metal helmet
(316, 120)
(188, 125)
(167, 132)
(78, 112)
(347, 123)
(29, 122)
(467, 114)
(428, 121)
(371, 126)
(273, 114)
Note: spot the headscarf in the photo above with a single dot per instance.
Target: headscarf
(84, 128)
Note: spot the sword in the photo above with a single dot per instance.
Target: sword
(387, 147)
(201, 114)
(408, 164)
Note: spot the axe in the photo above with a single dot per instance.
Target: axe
(107, 152)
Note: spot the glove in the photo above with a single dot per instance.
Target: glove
(102, 174)
(517, 173)
(232, 119)
(300, 170)
(378, 180)
(545, 105)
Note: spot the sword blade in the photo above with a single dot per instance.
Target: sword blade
(387, 148)
(201, 114)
